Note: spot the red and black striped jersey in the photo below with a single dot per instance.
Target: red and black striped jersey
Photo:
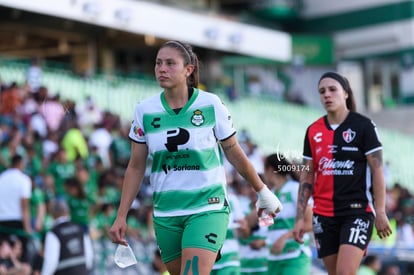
(343, 183)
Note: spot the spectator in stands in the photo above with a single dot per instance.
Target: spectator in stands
(38, 124)
(13, 146)
(34, 75)
(61, 169)
(89, 115)
(17, 254)
(405, 222)
(10, 250)
(158, 265)
(370, 265)
(253, 249)
(252, 151)
(37, 208)
(286, 255)
(34, 163)
(392, 269)
(52, 110)
(68, 250)
(338, 148)
(69, 118)
(137, 221)
(38, 259)
(10, 100)
(89, 181)
(74, 142)
(102, 221)
(101, 138)
(120, 148)
(29, 104)
(50, 145)
(184, 129)
(15, 193)
(78, 202)
(229, 260)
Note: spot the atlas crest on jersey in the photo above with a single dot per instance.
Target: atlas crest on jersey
(348, 135)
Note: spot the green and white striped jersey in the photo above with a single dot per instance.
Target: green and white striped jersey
(284, 222)
(230, 248)
(187, 173)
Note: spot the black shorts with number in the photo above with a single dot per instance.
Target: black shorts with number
(331, 232)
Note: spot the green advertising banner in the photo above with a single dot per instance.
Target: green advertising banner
(314, 50)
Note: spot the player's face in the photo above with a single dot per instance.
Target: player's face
(170, 70)
(332, 95)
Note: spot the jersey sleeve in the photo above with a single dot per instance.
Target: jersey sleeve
(307, 152)
(223, 128)
(372, 141)
(136, 132)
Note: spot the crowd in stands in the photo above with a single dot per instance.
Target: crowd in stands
(72, 151)
(77, 152)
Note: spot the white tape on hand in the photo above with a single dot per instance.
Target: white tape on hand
(267, 200)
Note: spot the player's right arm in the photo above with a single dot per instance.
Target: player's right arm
(134, 175)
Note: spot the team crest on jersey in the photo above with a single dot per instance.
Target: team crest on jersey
(197, 119)
(348, 135)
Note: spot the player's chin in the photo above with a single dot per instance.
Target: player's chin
(164, 85)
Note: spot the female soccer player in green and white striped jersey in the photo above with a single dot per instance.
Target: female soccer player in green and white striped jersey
(185, 131)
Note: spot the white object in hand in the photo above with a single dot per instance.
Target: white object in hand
(124, 256)
(266, 219)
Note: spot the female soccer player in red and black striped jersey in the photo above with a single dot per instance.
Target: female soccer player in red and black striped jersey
(344, 174)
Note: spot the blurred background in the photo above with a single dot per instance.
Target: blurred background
(94, 60)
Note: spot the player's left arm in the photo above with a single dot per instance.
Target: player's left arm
(375, 163)
(236, 156)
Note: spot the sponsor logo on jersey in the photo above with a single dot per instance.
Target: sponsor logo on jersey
(178, 168)
(176, 137)
(329, 167)
(318, 150)
(186, 167)
(318, 137)
(166, 168)
(211, 238)
(138, 131)
(155, 122)
(348, 135)
(332, 149)
(197, 119)
(349, 148)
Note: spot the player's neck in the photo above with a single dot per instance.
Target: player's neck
(176, 98)
(337, 117)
